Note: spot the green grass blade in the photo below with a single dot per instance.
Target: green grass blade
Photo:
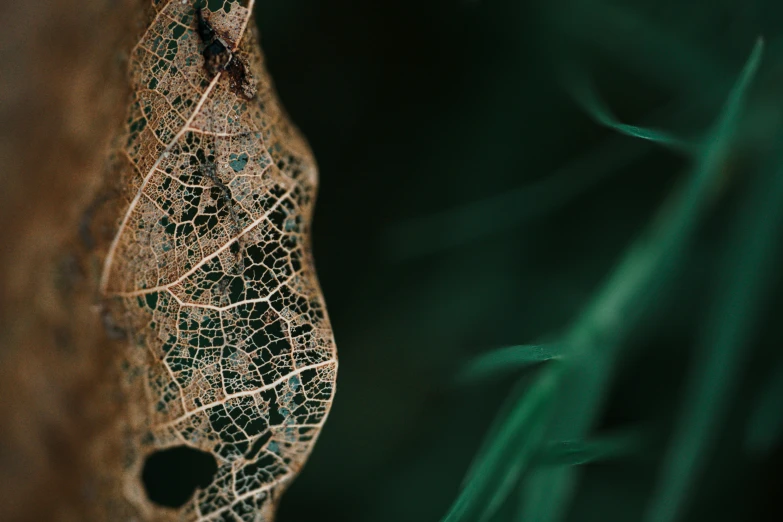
(724, 346)
(765, 427)
(596, 336)
(509, 405)
(453, 227)
(450, 228)
(584, 94)
(508, 359)
(577, 453)
(662, 56)
(736, 100)
(509, 451)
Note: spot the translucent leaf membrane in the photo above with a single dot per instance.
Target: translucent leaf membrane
(210, 272)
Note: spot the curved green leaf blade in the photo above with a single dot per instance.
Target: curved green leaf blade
(508, 359)
(508, 452)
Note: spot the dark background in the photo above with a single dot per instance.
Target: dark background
(415, 109)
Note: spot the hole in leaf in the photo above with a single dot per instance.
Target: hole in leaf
(171, 476)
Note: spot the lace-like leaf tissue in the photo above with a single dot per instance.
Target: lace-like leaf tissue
(210, 273)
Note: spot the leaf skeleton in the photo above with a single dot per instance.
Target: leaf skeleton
(230, 351)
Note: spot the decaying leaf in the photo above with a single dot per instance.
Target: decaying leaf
(230, 350)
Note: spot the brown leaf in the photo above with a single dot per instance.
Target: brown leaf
(230, 350)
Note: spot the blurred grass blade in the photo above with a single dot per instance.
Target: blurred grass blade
(718, 365)
(508, 359)
(668, 58)
(765, 427)
(736, 100)
(510, 403)
(468, 222)
(509, 451)
(596, 336)
(584, 94)
(577, 453)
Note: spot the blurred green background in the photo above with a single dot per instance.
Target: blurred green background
(471, 199)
